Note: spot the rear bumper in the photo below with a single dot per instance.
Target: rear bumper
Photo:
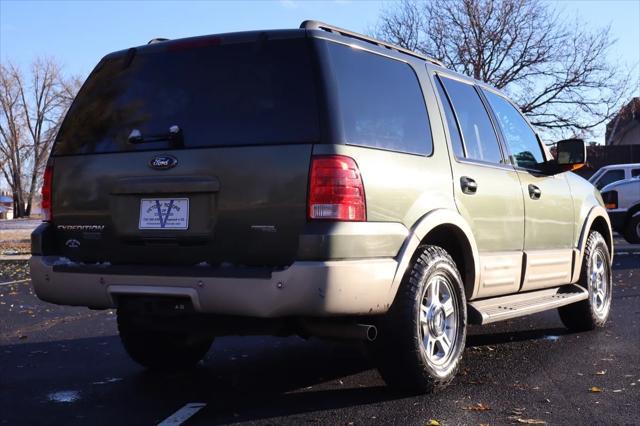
(306, 288)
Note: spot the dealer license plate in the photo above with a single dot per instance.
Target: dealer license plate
(164, 213)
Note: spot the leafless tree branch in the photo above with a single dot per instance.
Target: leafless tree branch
(31, 109)
(557, 72)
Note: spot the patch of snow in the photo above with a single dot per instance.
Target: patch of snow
(108, 380)
(64, 396)
(64, 261)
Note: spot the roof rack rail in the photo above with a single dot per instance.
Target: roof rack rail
(157, 40)
(317, 25)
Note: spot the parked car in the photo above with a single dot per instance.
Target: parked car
(622, 200)
(614, 173)
(316, 182)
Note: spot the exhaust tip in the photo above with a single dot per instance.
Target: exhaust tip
(372, 333)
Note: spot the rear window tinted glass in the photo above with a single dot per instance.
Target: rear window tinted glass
(610, 177)
(635, 172)
(380, 101)
(250, 93)
(480, 139)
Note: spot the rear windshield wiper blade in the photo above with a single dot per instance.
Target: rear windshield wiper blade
(174, 136)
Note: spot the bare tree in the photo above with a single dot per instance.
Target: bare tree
(558, 73)
(12, 144)
(32, 111)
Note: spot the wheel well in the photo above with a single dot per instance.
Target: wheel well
(455, 242)
(600, 224)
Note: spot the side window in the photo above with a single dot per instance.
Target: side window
(456, 139)
(380, 101)
(635, 172)
(480, 139)
(610, 177)
(521, 140)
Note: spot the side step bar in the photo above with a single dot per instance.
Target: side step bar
(516, 305)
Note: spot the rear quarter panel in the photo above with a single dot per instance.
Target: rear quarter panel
(401, 187)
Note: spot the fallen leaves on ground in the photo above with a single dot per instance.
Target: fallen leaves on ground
(601, 373)
(13, 270)
(432, 422)
(595, 389)
(478, 406)
(11, 248)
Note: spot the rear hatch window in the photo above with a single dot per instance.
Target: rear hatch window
(219, 94)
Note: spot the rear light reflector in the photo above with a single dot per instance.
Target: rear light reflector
(610, 199)
(46, 202)
(336, 191)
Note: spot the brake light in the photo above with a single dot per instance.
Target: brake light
(610, 199)
(46, 203)
(336, 191)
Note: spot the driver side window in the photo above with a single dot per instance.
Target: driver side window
(519, 137)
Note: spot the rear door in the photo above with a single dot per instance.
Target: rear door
(548, 206)
(486, 187)
(189, 151)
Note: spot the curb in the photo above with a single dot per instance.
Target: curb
(15, 257)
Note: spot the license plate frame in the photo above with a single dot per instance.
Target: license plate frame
(161, 214)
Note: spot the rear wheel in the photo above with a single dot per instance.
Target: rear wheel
(422, 337)
(632, 231)
(159, 350)
(595, 276)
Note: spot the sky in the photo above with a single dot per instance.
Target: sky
(78, 33)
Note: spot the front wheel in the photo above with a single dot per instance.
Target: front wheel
(595, 277)
(160, 350)
(422, 337)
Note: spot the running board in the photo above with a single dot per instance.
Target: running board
(516, 305)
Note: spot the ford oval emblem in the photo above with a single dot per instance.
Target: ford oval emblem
(163, 162)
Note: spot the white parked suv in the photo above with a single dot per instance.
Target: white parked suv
(614, 173)
(622, 200)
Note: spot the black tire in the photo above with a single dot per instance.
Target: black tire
(159, 350)
(590, 314)
(399, 351)
(632, 230)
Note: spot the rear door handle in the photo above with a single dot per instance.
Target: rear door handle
(469, 186)
(534, 192)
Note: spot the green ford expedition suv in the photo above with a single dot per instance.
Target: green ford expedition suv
(313, 182)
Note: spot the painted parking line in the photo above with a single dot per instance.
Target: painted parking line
(183, 414)
(15, 282)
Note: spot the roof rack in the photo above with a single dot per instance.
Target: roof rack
(317, 25)
(157, 40)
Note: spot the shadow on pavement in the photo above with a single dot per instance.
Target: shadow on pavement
(498, 338)
(242, 379)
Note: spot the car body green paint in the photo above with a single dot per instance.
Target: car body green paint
(248, 204)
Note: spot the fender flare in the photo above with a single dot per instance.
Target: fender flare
(421, 229)
(595, 213)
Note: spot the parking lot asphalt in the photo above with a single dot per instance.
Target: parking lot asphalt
(63, 365)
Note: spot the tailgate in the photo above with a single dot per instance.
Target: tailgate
(244, 205)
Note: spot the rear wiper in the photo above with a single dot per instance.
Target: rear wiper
(174, 136)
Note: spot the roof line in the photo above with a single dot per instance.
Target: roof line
(317, 25)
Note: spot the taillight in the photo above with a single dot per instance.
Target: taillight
(610, 199)
(335, 189)
(46, 203)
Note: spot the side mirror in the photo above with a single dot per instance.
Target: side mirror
(571, 154)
